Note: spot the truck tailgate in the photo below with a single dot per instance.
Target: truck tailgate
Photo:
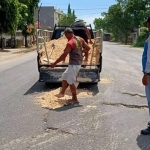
(54, 75)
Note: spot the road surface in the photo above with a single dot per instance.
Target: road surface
(110, 120)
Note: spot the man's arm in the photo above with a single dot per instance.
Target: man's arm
(63, 56)
(88, 34)
(86, 50)
(147, 68)
(144, 57)
(144, 64)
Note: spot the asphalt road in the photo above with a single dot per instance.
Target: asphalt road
(110, 120)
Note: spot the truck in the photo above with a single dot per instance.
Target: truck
(88, 73)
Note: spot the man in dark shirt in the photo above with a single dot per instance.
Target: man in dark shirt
(74, 48)
(87, 36)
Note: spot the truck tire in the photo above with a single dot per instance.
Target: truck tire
(100, 61)
(38, 62)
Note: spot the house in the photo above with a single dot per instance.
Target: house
(48, 16)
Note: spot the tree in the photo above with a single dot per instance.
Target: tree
(99, 23)
(123, 18)
(69, 9)
(23, 16)
(68, 18)
(73, 13)
(139, 10)
(117, 21)
(9, 16)
(27, 8)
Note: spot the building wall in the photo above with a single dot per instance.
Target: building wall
(57, 15)
(49, 16)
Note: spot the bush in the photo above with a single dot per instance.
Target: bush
(142, 37)
(112, 38)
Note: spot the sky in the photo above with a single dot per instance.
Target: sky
(87, 10)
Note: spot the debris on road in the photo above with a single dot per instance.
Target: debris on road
(50, 101)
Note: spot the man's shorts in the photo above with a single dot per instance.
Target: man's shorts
(71, 73)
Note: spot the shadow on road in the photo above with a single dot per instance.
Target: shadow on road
(90, 87)
(4, 51)
(64, 108)
(143, 141)
(42, 87)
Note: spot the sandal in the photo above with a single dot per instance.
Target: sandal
(76, 103)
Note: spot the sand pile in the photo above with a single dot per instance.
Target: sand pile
(55, 49)
(50, 101)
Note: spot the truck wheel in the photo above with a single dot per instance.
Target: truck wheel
(38, 63)
(100, 60)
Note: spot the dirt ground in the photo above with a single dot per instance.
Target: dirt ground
(50, 101)
(7, 54)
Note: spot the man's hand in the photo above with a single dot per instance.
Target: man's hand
(52, 65)
(145, 80)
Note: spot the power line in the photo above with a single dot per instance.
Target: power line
(82, 9)
(85, 9)
(90, 14)
(67, 4)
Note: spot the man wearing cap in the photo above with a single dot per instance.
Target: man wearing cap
(146, 76)
(74, 48)
(79, 23)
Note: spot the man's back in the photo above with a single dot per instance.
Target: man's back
(78, 24)
(80, 32)
(76, 52)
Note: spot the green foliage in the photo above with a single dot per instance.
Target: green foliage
(73, 13)
(68, 18)
(26, 9)
(99, 23)
(9, 16)
(138, 10)
(142, 37)
(23, 16)
(16, 14)
(69, 10)
(123, 18)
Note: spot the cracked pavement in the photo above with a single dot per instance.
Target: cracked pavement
(110, 120)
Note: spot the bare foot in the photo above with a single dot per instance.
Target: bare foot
(59, 95)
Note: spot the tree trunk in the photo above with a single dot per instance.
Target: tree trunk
(2, 45)
(13, 41)
(126, 39)
(26, 41)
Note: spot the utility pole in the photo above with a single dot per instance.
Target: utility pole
(39, 16)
